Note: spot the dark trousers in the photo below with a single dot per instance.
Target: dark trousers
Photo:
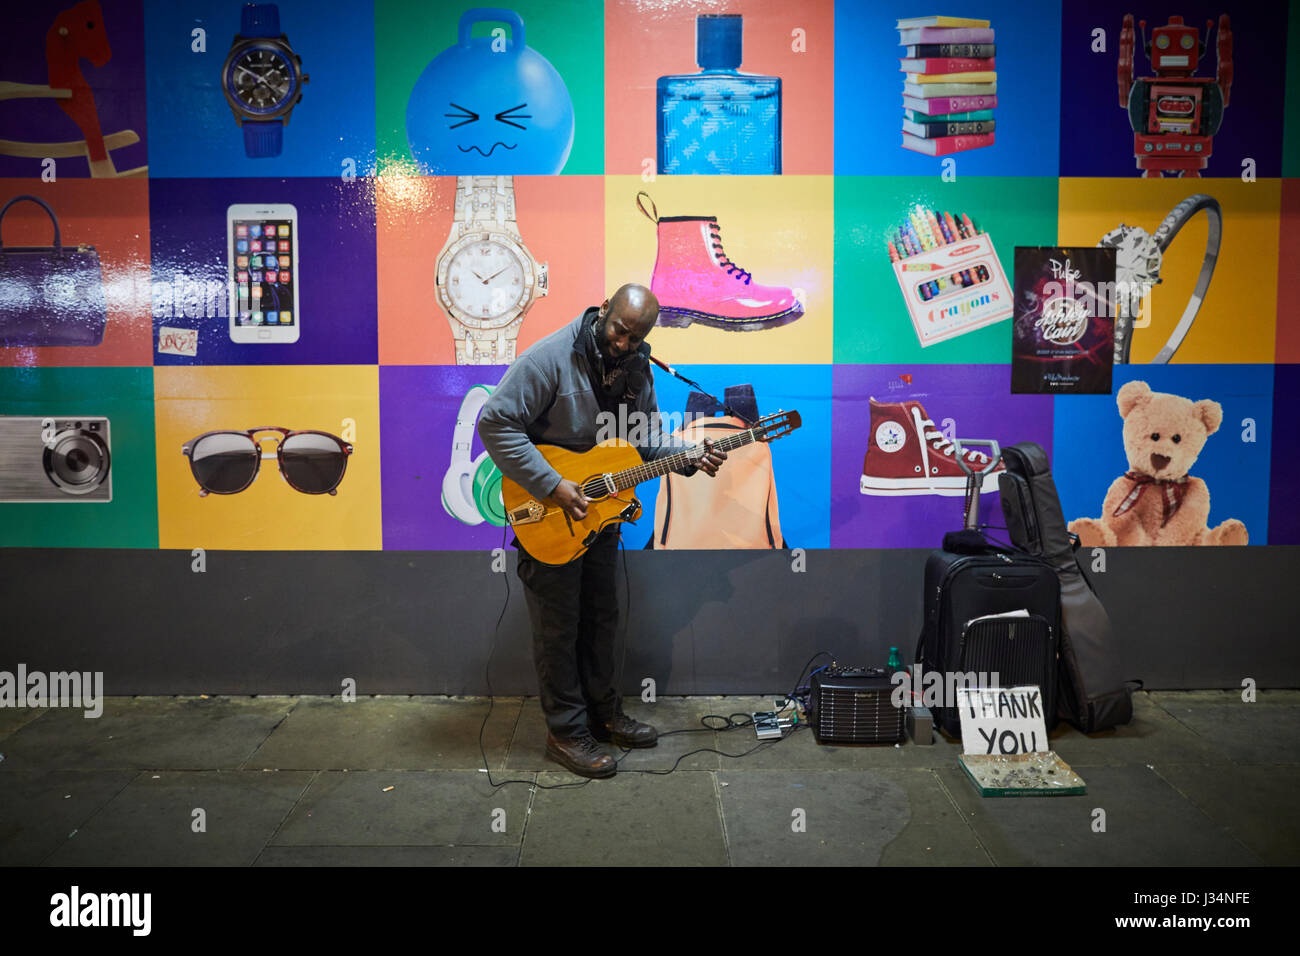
(574, 613)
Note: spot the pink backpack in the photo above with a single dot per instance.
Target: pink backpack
(737, 509)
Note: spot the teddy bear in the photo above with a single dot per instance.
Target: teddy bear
(1157, 502)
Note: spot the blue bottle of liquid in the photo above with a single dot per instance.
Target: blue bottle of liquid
(719, 120)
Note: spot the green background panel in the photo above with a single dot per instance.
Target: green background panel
(125, 397)
(569, 33)
(871, 321)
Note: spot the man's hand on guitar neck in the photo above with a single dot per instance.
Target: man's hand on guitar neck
(571, 499)
(711, 460)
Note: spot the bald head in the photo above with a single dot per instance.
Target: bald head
(629, 315)
(635, 304)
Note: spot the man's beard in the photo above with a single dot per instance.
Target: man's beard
(604, 348)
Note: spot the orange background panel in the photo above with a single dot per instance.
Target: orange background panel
(646, 40)
(1288, 297)
(112, 216)
(561, 220)
(1237, 322)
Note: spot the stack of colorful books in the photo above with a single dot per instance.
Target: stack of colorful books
(950, 84)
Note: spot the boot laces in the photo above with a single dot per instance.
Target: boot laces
(731, 267)
(940, 442)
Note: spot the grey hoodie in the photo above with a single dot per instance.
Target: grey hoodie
(545, 398)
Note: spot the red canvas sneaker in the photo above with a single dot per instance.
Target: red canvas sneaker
(908, 455)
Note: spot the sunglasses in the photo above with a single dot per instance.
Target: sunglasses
(227, 462)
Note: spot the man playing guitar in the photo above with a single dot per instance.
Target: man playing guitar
(553, 395)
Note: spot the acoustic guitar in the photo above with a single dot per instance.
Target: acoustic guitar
(606, 475)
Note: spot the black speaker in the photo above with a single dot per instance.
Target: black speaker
(853, 705)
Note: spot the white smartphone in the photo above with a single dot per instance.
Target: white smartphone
(263, 272)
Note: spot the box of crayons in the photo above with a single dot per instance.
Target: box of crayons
(949, 274)
(950, 84)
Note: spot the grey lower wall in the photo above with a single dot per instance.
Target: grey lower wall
(715, 622)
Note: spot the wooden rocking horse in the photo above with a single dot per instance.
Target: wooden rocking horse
(76, 33)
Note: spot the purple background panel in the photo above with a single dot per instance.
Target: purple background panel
(977, 397)
(337, 297)
(417, 415)
(118, 86)
(1284, 484)
(1096, 139)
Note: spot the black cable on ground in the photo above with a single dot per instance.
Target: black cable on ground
(729, 723)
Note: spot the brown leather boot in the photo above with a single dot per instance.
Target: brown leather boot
(580, 755)
(625, 731)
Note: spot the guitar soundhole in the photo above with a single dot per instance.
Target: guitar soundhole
(595, 488)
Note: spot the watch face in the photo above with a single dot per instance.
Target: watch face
(262, 79)
(487, 283)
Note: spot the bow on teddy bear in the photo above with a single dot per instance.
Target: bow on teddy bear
(1156, 502)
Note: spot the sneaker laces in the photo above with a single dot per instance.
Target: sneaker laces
(940, 442)
(731, 267)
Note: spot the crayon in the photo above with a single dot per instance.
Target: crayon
(914, 242)
(934, 228)
(943, 229)
(919, 244)
(949, 225)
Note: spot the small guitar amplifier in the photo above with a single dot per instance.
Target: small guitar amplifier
(853, 705)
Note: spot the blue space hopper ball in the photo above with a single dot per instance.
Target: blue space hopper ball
(490, 105)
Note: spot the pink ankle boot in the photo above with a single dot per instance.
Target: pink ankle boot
(694, 280)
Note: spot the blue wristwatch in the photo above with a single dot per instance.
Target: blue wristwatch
(262, 79)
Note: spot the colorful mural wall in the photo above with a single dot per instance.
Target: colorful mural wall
(261, 262)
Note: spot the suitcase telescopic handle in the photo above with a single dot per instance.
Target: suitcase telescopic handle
(974, 479)
(994, 457)
(58, 240)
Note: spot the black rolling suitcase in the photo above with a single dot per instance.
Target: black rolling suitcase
(1093, 695)
(971, 589)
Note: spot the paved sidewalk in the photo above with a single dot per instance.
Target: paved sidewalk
(1198, 779)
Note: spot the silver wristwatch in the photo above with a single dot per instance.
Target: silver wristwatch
(1138, 258)
(486, 278)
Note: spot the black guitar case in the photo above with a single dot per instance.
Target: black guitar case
(1092, 694)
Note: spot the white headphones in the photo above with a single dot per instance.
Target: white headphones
(471, 490)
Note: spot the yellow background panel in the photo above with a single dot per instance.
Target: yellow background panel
(1237, 320)
(269, 514)
(778, 228)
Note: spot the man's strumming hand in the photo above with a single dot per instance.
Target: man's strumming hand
(571, 499)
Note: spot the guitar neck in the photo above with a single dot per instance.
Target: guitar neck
(662, 466)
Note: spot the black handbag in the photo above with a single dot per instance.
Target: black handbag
(50, 295)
